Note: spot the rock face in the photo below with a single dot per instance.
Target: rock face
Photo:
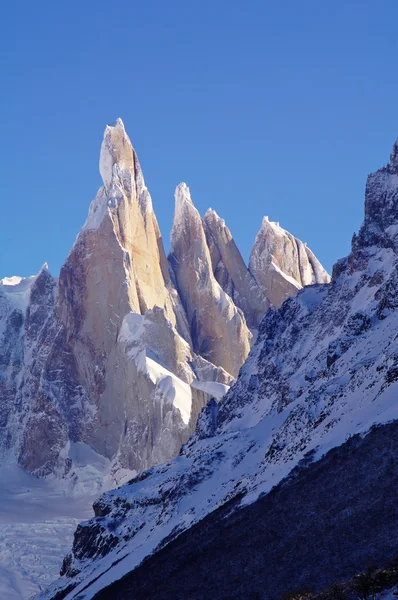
(282, 264)
(218, 328)
(317, 395)
(231, 272)
(104, 354)
(116, 272)
(123, 350)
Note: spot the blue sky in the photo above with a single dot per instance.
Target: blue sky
(262, 107)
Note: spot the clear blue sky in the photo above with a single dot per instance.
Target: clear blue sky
(262, 107)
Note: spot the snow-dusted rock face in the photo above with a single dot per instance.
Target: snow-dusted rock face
(324, 368)
(117, 269)
(282, 264)
(231, 272)
(103, 355)
(218, 328)
(123, 350)
(31, 427)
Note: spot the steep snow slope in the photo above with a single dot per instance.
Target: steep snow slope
(324, 523)
(324, 368)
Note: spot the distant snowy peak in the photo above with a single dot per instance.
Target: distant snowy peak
(283, 264)
(17, 290)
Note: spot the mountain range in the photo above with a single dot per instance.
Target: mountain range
(121, 352)
(288, 480)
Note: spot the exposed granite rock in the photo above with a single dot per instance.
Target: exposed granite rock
(231, 272)
(104, 354)
(218, 328)
(282, 264)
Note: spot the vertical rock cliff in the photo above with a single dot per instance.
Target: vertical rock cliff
(218, 328)
(231, 272)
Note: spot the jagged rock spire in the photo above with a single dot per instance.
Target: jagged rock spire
(394, 155)
(218, 329)
(231, 272)
(380, 226)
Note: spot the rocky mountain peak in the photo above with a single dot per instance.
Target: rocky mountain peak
(394, 155)
(381, 200)
(218, 329)
(182, 194)
(282, 264)
(231, 271)
(116, 149)
(185, 213)
(211, 215)
(379, 229)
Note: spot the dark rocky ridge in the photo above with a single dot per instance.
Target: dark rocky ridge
(320, 525)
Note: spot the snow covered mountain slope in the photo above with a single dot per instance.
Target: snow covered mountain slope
(324, 369)
(322, 524)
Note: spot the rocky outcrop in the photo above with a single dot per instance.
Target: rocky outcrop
(283, 264)
(318, 388)
(231, 272)
(218, 328)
